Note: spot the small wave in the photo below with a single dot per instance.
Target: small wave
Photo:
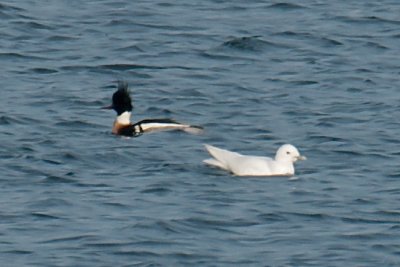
(375, 45)
(18, 56)
(157, 110)
(9, 8)
(59, 38)
(135, 252)
(119, 22)
(204, 222)
(272, 217)
(130, 48)
(29, 25)
(365, 235)
(19, 252)
(330, 41)
(326, 139)
(286, 6)
(67, 239)
(41, 215)
(324, 41)
(7, 120)
(304, 82)
(369, 220)
(367, 20)
(395, 174)
(156, 191)
(43, 71)
(75, 124)
(351, 153)
(212, 55)
(57, 179)
(52, 162)
(252, 43)
(119, 67)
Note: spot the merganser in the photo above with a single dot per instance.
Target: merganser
(122, 104)
(243, 165)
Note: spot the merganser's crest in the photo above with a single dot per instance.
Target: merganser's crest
(122, 104)
(121, 99)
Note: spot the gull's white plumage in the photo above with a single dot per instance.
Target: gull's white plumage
(244, 165)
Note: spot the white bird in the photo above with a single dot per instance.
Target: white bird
(244, 165)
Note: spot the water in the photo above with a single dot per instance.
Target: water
(320, 75)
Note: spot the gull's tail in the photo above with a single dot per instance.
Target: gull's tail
(221, 157)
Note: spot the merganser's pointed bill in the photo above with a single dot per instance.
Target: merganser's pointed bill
(122, 104)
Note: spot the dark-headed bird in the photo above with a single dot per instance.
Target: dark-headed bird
(122, 104)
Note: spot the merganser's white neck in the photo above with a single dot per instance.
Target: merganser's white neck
(124, 118)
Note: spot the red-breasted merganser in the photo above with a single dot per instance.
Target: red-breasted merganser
(122, 104)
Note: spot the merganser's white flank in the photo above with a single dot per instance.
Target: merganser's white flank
(243, 165)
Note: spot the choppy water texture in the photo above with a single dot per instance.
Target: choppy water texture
(322, 75)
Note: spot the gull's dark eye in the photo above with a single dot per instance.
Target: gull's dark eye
(288, 152)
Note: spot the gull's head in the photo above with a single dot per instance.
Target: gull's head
(288, 152)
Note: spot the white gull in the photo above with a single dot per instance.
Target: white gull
(244, 165)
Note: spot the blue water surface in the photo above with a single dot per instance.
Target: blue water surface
(322, 75)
